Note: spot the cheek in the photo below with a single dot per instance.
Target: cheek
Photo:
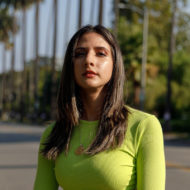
(107, 69)
(111, 69)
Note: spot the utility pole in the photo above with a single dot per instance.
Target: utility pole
(144, 58)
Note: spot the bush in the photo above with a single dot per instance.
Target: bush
(180, 125)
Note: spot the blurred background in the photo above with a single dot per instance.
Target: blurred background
(154, 37)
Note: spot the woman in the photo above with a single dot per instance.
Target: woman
(98, 143)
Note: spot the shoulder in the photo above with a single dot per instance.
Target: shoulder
(143, 127)
(47, 132)
(139, 118)
(137, 115)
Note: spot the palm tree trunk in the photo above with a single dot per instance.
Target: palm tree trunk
(36, 71)
(100, 18)
(24, 51)
(49, 31)
(53, 79)
(3, 79)
(23, 86)
(80, 14)
(67, 26)
(92, 12)
(13, 63)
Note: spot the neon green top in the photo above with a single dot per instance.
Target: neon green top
(138, 164)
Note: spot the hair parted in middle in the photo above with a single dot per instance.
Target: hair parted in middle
(113, 117)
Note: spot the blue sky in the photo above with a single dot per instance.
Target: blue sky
(46, 25)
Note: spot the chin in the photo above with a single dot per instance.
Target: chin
(91, 86)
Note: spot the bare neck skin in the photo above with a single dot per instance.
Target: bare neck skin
(92, 103)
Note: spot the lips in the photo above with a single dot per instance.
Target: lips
(89, 74)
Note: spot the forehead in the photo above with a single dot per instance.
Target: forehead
(92, 39)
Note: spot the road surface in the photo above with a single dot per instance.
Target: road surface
(18, 158)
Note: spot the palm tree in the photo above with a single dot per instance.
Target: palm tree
(24, 5)
(16, 5)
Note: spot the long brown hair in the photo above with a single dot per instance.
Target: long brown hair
(113, 118)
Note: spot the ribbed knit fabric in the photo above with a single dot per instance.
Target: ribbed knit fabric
(138, 164)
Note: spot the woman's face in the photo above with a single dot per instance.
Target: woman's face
(93, 62)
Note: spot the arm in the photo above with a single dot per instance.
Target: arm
(150, 156)
(45, 176)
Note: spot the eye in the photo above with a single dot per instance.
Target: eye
(101, 53)
(79, 54)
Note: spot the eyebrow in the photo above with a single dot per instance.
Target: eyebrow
(97, 47)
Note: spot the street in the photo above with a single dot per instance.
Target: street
(18, 158)
(177, 154)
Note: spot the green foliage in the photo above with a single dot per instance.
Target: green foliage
(18, 4)
(181, 125)
(155, 89)
(44, 89)
(130, 40)
(6, 22)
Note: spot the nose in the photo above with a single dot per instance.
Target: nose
(90, 59)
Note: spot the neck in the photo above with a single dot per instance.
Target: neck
(92, 103)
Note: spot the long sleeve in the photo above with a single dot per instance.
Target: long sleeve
(45, 176)
(150, 155)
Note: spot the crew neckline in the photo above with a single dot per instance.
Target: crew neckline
(88, 123)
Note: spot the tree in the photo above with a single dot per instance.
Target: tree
(16, 5)
(130, 39)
